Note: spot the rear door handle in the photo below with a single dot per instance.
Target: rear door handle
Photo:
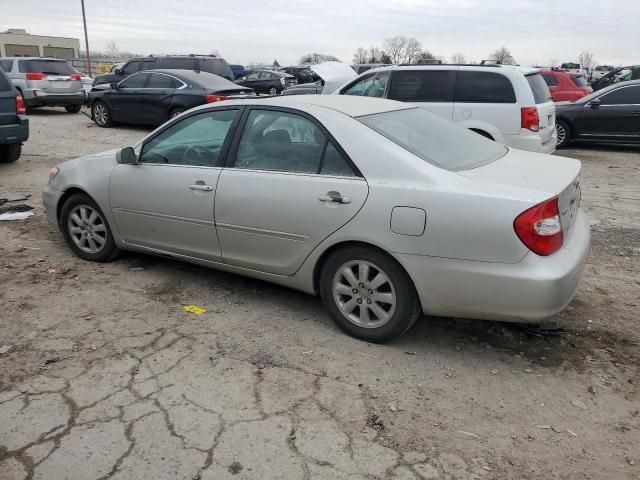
(201, 187)
(334, 197)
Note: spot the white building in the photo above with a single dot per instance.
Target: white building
(16, 42)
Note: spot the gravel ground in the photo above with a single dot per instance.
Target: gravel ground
(108, 377)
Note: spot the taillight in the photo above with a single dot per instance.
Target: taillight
(215, 98)
(75, 76)
(36, 76)
(539, 228)
(529, 118)
(21, 108)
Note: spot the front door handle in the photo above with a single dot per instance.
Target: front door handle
(201, 187)
(334, 197)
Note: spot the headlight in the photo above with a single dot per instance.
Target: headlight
(53, 173)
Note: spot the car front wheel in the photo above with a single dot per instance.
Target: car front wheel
(368, 294)
(273, 91)
(86, 230)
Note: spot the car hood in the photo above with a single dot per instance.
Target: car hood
(104, 78)
(334, 74)
(107, 156)
(538, 172)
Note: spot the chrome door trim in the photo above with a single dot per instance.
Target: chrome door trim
(166, 217)
(262, 231)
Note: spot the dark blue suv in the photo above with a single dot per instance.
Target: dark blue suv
(14, 125)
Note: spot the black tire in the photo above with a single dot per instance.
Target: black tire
(176, 111)
(10, 153)
(108, 250)
(104, 121)
(407, 308)
(73, 108)
(566, 138)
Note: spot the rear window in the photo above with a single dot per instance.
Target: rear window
(422, 86)
(579, 80)
(484, 87)
(52, 67)
(217, 66)
(550, 80)
(539, 88)
(436, 140)
(6, 65)
(179, 63)
(5, 83)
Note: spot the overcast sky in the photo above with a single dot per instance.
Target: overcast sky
(244, 31)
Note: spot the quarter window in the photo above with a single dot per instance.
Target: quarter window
(622, 96)
(550, 80)
(483, 87)
(373, 85)
(334, 163)
(280, 141)
(162, 81)
(135, 81)
(422, 85)
(197, 140)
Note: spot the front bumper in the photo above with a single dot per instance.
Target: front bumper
(38, 98)
(532, 290)
(16, 132)
(50, 199)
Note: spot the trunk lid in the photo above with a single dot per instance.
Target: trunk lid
(334, 74)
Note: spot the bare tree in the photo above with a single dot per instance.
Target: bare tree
(395, 47)
(113, 50)
(554, 62)
(360, 56)
(503, 56)
(314, 58)
(412, 48)
(458, 58)
(587, 60)
(422, 56)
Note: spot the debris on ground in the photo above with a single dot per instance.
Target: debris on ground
(375, 422)
(194, 309)
(49, 361)
(5, 349)
(579, 404)
(393, 407)
(16, 215)
(310, 352)
(543, 330)
(469, 434)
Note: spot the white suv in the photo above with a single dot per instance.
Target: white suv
(508, 104)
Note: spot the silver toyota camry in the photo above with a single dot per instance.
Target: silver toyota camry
(384, 210)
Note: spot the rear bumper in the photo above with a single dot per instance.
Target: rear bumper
(16, 132)
(532, 290)
(38, 98)
(532, 142)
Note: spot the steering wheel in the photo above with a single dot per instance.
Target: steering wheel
(197, 154)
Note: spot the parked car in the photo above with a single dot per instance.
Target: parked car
(331, 75)
(239, 71)
(267, 81)
(152, 97)
(363, 67)
(509, 104)
(617, 75)
(565, 86)
(600, 71)
(303, 74)
(572, 67)
(198, 63)
(45, 82)
(14, 125)
(610, 115)
(116, 66)
(383, 209)
(87, 82)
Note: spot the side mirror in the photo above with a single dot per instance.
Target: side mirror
(595, 103)
(114, 85)
(118, 71)
(126, 156)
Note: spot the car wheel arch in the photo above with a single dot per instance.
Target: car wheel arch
(68, 193)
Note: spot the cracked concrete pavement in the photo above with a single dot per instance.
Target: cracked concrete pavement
(264, 386)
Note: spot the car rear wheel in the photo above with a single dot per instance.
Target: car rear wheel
(273, 91)
(368, 294)
(101, 114)
(86, 230)
(10, 153)
(175, 112)
(73, 108)
(563, 131)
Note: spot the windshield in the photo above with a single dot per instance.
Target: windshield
(435, 140)
(539, 88)
(52, 67)
(570, 66)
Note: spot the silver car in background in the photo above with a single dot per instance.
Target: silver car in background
(383, 209)
(45, 82)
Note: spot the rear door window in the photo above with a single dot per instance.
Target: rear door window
(148, 64)
(157, 80)
(484, 87)
(539, 88)
(135, 81)
(622, 96)
(50, 67)
(180, 63)
(6, 65)
(422, 85)
(550, 80)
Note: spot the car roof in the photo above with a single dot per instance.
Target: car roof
(35, 58)
(193, 76)
(352, 106)
(440, 66)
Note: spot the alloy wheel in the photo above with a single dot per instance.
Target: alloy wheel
(100, 114)
(364, 293)
(87, 228)
(561, 133)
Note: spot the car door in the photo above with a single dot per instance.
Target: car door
(252, 81)
(289, 186)
(125, 100)
(165, 201)
(431, 89)
(155, 97)
(615, 116)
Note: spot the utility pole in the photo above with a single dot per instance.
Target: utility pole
(86, 39)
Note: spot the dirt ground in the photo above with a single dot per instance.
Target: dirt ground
(108, 377)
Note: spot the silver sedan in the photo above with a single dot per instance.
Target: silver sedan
(382, 209)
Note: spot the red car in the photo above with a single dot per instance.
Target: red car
(565, 86)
